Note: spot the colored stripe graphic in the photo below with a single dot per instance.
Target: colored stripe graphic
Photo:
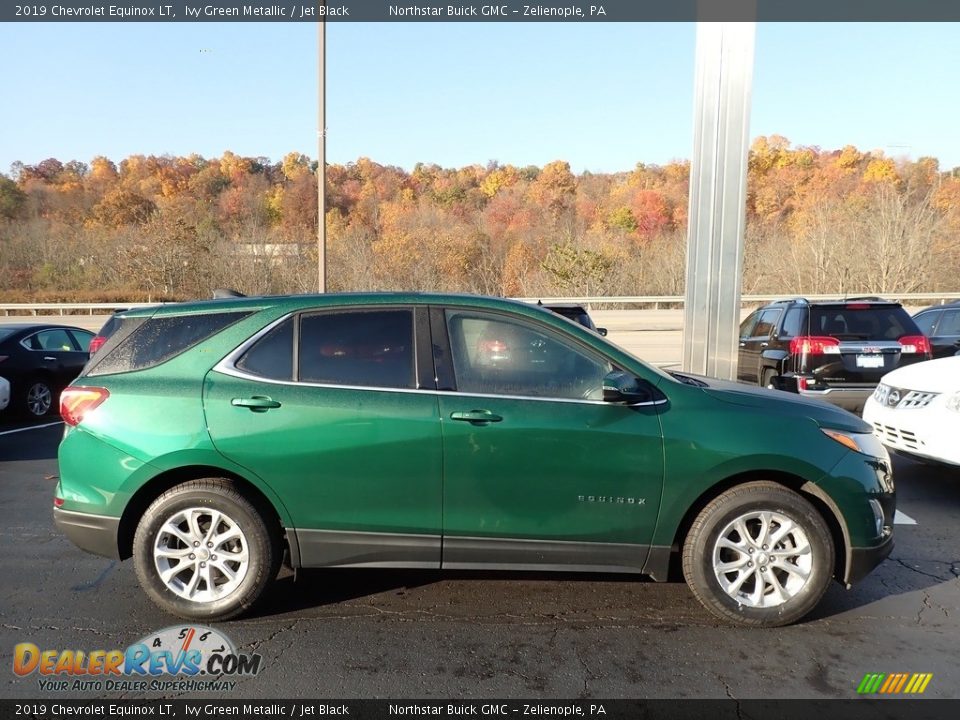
(894, 683)
(903, 679)
(891, 679)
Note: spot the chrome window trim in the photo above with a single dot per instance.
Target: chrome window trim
(227, 366)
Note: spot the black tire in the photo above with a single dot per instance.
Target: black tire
(741, 608)
(202, 500)
(37, 397)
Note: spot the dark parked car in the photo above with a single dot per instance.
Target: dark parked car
(941, 323)
(577, 313)
(833, 350)
(210, 441)
(109, 328)
(39, 361)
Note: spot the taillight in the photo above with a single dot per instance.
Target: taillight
(96, 344)
(814, 345)
(76, 402)
(915, 344)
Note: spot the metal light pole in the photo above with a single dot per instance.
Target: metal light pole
(322, 157)
(718, 189)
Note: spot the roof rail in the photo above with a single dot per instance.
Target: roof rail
(790, 300)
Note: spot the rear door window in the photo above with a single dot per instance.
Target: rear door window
(369, 348)
(766, 323)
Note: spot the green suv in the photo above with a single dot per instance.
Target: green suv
(212, 441)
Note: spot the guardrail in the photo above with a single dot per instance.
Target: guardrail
(655, 300)
(63, 308)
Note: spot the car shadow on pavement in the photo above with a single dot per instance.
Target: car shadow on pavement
(466, 591)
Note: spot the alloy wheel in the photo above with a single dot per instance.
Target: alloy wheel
(762, 559)
(39, 399)
(201, 554)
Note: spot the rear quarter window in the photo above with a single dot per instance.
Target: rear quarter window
(159, 339)
(793, 323)
(271, 356)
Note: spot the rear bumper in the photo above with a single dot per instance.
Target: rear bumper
(849, 398)
(864, 560)
(852, 399)
(96, 534)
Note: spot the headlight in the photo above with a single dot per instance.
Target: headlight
(953, 402)
(864, 443)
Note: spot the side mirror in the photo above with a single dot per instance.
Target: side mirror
(621, 387)
(602, 331)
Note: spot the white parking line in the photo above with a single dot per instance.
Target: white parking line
(900, 518)
(32, 427)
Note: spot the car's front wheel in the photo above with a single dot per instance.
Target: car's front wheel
(203, 551)
(759, 555)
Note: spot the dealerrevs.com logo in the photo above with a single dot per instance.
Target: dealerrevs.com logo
(178, 658)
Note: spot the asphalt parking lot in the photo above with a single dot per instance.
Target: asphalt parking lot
(418, 634)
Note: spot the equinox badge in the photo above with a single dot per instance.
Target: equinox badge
(610, 499)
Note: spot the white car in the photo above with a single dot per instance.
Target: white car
(4, 393)
(916, 410)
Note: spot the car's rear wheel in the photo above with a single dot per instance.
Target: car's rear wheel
(37, 397)
(759, 555)
(203, 551)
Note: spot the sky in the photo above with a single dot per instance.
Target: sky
(601, 96)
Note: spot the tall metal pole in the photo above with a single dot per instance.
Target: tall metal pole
(718, 192)
(322, 157)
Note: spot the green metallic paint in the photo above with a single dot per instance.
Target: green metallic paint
(524, 477)
(385, 461)
(367, 460)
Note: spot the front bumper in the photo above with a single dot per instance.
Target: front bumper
(864, 559)
(928, 433)
(96, 534)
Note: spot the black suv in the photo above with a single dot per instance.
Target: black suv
(941, 323)
(577, 313)
(836, 350)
